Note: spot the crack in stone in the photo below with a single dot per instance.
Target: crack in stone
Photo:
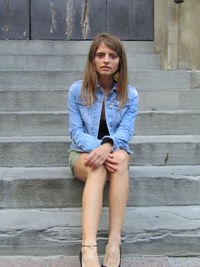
(170, 212)
(148, 238)
(59, 233)
(11, 233)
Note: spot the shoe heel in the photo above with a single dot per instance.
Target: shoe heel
(120, 256)
(119, 259)
(80, 255)
(80, 258)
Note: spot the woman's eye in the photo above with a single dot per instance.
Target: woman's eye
(113, 56)
(100, 55)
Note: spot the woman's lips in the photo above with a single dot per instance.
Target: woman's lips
(105, 68)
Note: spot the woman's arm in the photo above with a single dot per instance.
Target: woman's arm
(125, 130)
(123, 134)
(83, 140)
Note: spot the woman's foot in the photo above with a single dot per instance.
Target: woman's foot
(112, 255)
(89, 256)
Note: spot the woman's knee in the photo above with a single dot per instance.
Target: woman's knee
(122, 158)
(98, 175)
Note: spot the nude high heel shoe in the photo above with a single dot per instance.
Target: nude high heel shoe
(119, 260)
(80, 255)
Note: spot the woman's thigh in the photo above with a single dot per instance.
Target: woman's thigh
(77, 166)
(81, 171)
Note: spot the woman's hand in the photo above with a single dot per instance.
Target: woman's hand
(98, 156)
(111, 163)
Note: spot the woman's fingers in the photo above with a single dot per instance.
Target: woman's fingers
(94, 160)
(98, 156)
(111, 163)
(112, 160)
(89, 160)
(110, 167)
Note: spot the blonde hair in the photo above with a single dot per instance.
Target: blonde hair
(89, 85)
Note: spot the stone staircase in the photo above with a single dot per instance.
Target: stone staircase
(40, 202)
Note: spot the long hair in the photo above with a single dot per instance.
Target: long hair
(90, 80)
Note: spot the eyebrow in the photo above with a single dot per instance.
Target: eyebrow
(111, 53)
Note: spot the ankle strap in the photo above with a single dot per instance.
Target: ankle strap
(89, 246)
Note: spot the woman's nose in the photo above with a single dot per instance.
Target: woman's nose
(106, 58)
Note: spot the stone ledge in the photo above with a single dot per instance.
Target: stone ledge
(166, 231)
(195, 79)
(73, 261)
(150, 79)
(15, 100)
(56, 188)
(43, 47)
(47, 123)
(53, 150)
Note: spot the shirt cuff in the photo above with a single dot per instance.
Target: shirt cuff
(107, 140)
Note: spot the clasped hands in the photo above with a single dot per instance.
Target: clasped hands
(102, 155)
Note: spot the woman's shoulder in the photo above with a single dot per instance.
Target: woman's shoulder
(76, 87)
(132, 91)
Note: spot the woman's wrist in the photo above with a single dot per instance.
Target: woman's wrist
(108, 145)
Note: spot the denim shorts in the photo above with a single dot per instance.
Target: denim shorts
(73, 156)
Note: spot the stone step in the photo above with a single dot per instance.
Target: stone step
(56, 100)
(57, 123)
(169, 99)
(169, 231)
(53, 151)
(73, 261)
(40, 47)
(152, 79)
(75, 62)
(56, 188)
(195, 79)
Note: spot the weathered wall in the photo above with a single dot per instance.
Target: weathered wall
(161, 28)
(177, 33)
(190, 34)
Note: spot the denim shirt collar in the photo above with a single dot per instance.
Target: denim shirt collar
(113, 89)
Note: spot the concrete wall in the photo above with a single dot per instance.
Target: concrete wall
(177, 33)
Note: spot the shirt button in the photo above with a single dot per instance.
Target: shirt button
(110, 106)
(111, 124)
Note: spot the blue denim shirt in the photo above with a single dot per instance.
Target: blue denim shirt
(84, 120)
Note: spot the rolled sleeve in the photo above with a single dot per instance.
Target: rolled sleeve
(80, 137)
(125, 130)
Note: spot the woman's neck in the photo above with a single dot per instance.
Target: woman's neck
(106, 83)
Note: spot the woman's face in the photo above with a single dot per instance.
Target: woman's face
(106, 61)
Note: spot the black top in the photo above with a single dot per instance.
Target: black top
(103, 129)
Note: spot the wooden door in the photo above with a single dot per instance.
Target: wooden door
(76, 19)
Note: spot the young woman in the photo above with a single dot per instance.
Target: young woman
(102, 111)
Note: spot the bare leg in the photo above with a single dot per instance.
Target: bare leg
(95, 180)
(118, 196)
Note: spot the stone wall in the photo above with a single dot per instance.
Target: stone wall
(177, 33)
